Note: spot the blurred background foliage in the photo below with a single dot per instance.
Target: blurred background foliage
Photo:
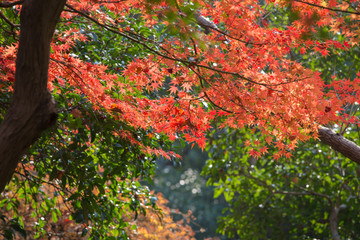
(186, 189)
(285, 199)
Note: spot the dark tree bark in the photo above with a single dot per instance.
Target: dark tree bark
(32, 109)
(340, 144)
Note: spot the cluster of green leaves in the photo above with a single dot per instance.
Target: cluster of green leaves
(8, 33)
(95, 172)
(286, 199)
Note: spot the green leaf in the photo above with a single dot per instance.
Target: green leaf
(54, 216)
(218, 192)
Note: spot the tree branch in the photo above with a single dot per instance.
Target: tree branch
(327, 8)
(340, 144)
(10, 4)
(11, 24)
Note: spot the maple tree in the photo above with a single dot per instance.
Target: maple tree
(236, 68)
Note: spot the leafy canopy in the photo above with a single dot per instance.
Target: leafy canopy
(130, 75)
(179, 79)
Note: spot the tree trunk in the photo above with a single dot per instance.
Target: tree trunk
(32, 109)
(333, 222)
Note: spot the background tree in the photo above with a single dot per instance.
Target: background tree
(314, 195)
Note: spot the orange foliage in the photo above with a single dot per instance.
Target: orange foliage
(243, 70)
(154, 225)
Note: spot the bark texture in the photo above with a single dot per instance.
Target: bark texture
(340, 144)
(32, 109)
(333, 222)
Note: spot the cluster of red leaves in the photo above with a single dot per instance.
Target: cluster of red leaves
(341, 16)
(244, 71)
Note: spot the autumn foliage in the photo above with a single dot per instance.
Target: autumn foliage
(184, 68)
(243, 68)
(155, 224)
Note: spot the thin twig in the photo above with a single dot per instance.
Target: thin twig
(10, 4)
(327, 8)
